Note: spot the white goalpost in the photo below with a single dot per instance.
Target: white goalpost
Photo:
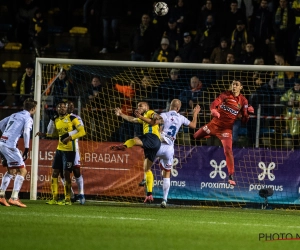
(115, 73)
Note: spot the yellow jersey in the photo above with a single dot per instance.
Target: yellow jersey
(148, 129)
(67, 124)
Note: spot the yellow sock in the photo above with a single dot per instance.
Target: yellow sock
(129, 143)
(67, 189)
(149, 181)
(54, 188)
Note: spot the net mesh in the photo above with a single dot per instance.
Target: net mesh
(270, 136)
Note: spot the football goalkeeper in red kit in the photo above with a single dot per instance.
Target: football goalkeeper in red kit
(225, 109)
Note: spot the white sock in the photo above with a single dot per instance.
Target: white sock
(79, 182)
(166, 187)
(5, 182)
(17, 186)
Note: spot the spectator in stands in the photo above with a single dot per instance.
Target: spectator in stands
(142, 40)
(291, 100)
(86, 9)
(112, 11)
(38, 32)
(164, 53)
(230, 59)
(24, 15)
(206, 10)
(239, 38)
(177, 59)
(248, 56)
(62, 89)
(126, 129)
(95, 105)
(191, 96)
(281, 81)
(181, 14)
(230, 18)
(174, 34)
(283, 25)
(207, 76)
(189, 51)
(25, 85)
(95, 87)
(296, 37)
(3, 91)
(258, 76)
(261, 29)
(169, 90)
(207, 38)
(219, 54)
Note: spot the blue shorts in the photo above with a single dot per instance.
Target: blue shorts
(151, 145)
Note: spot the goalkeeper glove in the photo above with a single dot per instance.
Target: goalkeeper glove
(64, 136)
(25, 154)
(250, 109)
(55, 115)
(215, 113)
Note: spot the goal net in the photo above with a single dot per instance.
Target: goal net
(265, 149)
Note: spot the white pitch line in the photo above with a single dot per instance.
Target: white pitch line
(217, 223)
(75, 216)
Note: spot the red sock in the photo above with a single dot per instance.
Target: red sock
(227, 145)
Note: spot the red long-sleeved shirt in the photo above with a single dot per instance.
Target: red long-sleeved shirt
(229, 106)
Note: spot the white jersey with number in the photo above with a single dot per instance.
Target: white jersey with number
(172, 123)
(3, 123)
(16, 124)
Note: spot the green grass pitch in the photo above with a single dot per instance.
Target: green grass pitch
(126, 226)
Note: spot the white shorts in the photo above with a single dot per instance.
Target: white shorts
(13, 157)
(166, 154)
(77, 160)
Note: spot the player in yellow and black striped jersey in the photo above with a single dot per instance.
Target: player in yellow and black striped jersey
(150, 140)
(65, 152)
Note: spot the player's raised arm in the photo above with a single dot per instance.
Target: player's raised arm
(129, 118)
(196, 111)
(214, 106)
(155, 119)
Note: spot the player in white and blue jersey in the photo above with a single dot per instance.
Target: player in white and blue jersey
(16, 124)
(172, 123)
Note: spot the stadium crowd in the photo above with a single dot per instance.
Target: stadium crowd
(249, 32)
